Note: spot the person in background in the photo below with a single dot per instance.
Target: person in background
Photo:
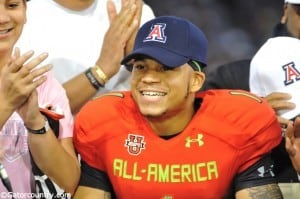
(26, 87)
(232, 75)
(289, 24)
(238, 78)
(276, 68)
(57, 175)
(73, 33)
(162, 135)
(238, 71)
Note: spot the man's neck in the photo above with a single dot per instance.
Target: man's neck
(169, 125)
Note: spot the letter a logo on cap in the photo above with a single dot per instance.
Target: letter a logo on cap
(291, 73)
(157, 33)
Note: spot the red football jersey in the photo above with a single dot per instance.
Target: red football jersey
(231, 131)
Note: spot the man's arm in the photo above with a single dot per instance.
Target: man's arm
(56, 158)
(269, 191)
(93, 184)
(84, 192)
(122, 26)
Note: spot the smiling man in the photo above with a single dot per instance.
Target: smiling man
(164, 139)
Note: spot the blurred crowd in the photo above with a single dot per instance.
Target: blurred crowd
(235, 29)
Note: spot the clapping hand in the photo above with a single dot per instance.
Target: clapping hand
(123, 26)
(292, 143)
(20, 77)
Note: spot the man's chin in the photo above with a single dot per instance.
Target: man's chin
(152, 113)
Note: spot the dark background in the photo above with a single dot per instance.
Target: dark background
(235, 28)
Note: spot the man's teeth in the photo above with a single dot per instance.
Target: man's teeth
(3, 31)
(153, 93)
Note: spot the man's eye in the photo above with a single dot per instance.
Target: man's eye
(13, 5)
(138, 67)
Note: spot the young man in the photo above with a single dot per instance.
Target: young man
(163, 139)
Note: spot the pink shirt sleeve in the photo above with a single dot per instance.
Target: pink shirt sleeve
(52, 92)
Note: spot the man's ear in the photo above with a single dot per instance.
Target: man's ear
(197, 81)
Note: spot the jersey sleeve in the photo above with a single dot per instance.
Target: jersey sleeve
(259, 132)
(94, 124)
(245, 121)
(84, 141)
(260, 173)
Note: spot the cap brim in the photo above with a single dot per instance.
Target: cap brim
(161, 55)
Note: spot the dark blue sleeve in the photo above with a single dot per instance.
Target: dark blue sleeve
(261, 173)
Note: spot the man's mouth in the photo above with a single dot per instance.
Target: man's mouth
(5, 31)
(153, 93)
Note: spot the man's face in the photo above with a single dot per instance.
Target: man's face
(12, 20)
(162, 91)
(292, 14)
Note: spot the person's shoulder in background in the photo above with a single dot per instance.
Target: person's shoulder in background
(232, 75)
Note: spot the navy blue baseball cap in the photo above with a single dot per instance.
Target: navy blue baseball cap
(170, 40)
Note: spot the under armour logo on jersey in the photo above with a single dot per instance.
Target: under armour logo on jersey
(198, 141)
(291, 73)
(134, 144)
(262, 171)
(157, 33)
